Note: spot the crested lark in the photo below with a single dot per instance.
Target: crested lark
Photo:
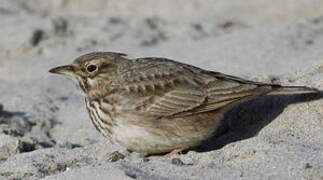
(156, 105)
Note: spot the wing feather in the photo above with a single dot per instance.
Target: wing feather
(176, 89)
(174, 102)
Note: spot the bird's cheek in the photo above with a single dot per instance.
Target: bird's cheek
(83, 84)
(91, 82)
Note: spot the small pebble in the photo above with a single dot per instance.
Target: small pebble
(177, 161)
(37, 37)
(145, 159)
(60, 26)
(115, 156)
(115, 20)
(226, 25)
(308, 166)
(26, 146)
(131, 174)
(152, 23)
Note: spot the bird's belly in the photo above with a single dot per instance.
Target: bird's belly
(164, 137)
(138, 139)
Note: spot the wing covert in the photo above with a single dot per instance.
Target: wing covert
(176, 89)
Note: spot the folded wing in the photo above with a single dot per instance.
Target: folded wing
(175, 89)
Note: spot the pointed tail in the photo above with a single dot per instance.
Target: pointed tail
(277, 89)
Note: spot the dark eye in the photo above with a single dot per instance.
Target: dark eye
(91, 68)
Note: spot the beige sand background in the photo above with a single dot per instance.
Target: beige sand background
(45, 131)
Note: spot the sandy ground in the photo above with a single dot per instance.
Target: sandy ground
(45, 131)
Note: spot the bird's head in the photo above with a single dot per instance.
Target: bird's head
(93, 70)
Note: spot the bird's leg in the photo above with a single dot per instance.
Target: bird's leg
(173, 152)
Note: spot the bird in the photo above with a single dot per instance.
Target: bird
(157, 105)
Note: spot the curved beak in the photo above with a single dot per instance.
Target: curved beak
(66, 70)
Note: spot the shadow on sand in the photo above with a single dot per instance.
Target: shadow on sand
(247, 119)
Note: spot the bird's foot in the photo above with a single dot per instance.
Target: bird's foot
(173, 152)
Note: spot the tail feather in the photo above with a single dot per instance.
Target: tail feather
(293, 90)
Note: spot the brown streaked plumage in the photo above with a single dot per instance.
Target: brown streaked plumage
(156, 105)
